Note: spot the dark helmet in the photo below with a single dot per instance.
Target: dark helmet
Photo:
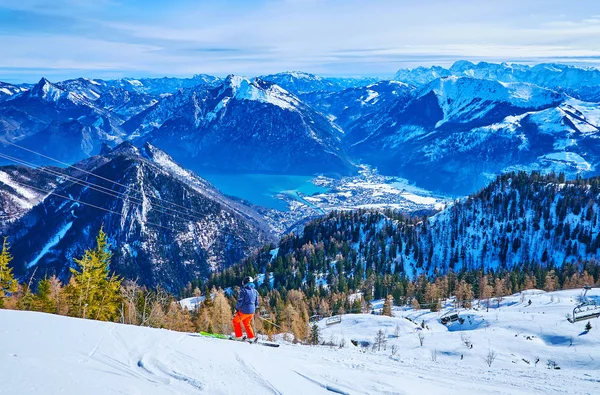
(247, 280)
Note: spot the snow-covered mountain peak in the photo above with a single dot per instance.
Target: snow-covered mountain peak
(125, 148)
(302, 75)
(242, 88)
(46, 90)
(462, 65)
(463, 99)
(236, 81)
(157, 155)
(51, 92)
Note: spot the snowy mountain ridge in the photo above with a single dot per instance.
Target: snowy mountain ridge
(573, 79)
(151, 199)
(246, 124)
(448, 130)
(243, 88)
(463, 99)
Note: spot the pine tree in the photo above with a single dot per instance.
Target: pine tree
(58, 296)
(380, 340)
(315, 336)
(42, 300)
(156, 316)
(8, 284)
(387, 306)
(92, 292)
(24, 297)
(550, 282)
(588, 327)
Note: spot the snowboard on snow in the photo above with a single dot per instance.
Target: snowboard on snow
(225, 337)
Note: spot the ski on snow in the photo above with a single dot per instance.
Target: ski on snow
(225, 337)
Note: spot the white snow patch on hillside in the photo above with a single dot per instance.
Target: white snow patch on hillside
(245, 89)
(135, 82)
(91, 81)
(419, 199)
(7, 180)
(571, 159)
(51, 243)
(371, 95)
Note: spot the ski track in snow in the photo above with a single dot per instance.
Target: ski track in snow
(42, 353)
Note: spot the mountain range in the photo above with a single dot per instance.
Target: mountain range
(130, 150)
(450, 130)
(582, 82)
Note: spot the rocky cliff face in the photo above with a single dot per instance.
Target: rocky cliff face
(166, 225)
(243, 125)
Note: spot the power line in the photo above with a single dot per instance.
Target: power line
(111, 181)
(220, 231)
(93, 186)
(88, 204)
(90, 173)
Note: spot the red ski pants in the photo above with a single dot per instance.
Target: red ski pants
(245, 319)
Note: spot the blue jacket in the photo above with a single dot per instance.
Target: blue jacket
(248, 300)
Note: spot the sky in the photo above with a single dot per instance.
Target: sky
(62, 39)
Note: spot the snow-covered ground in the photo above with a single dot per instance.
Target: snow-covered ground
(48, 354)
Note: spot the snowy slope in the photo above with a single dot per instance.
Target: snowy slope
(56, 355)
(518, 332)
(15, 199)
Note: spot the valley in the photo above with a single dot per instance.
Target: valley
(275, 152)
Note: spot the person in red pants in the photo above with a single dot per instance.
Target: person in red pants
(246, 307)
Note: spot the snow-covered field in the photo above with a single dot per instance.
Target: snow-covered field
(46, 354)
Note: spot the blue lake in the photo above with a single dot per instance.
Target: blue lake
(261, 188)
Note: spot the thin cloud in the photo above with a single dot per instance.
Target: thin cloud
(140, 38)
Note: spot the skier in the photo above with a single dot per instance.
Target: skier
(245, 309)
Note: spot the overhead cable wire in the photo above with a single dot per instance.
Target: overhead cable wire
(239, 236)
(96, 187)
(90, 173)
(88, 204)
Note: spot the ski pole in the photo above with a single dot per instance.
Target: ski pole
(270, 322)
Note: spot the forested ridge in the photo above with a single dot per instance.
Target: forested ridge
(522, 226)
